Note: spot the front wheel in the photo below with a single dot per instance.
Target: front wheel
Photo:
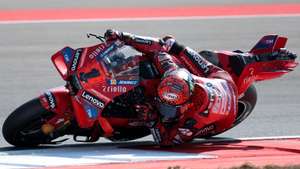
(23, 126)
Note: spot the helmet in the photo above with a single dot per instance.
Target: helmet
(176, 87)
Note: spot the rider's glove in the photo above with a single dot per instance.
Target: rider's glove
(147, 114)
(111, 35)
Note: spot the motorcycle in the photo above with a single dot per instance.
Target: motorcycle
(105, 82)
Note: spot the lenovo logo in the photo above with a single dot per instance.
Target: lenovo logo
(92, 99)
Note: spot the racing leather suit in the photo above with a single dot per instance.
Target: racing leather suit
(210, 107)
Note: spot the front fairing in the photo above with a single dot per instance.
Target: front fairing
(113, 71)
(63, 59)
(102, 73)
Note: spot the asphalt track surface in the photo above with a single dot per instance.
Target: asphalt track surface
(26, 69)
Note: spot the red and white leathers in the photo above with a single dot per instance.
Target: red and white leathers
(197, 98)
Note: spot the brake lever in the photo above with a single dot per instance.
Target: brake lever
(101, 38)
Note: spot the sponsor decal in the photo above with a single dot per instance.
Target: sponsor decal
(51, 100)
(251, 77)
(91, 111)
(127, 82)
(206, 130)
(197, 59)
(96, 52)
(114, 89)
(106, 51)
(211, 93)
(76, 59)
(170, 96)
(266, 42)
(92, 99)
(225, 86)
(67, 53)
(143, 41)
(122, 82)
(113, 82)
(229, 94)
(269, 41)
(220, 97)
(86, 76)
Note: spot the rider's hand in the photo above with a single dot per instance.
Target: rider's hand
(111, 35)
(146, 113)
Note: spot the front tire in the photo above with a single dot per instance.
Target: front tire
(22, 128)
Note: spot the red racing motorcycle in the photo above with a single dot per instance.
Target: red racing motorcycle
(105, 82)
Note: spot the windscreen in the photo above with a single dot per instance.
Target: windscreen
(121, 61)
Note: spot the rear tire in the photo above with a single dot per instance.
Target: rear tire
(22, 128)
(246, 105)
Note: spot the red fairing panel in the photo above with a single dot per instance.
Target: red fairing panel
(81, 116)
(58, 100)
(259, 71)
(62, 60)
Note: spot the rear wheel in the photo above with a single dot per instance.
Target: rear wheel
(23, 126)
(246, 105)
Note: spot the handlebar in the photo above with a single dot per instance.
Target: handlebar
(101, 38)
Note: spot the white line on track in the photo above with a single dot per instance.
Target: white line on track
(100, 154)
(252, 138)
(60, 156)
(146, 19)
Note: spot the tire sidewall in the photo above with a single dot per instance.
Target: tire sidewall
(20, 118)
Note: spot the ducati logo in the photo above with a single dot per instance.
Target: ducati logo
(76, 59)
(51, 100)
(197, 59)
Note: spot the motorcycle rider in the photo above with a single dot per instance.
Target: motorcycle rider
(195, 97)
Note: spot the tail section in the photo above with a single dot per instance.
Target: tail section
(269, 62)
(268, 44)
